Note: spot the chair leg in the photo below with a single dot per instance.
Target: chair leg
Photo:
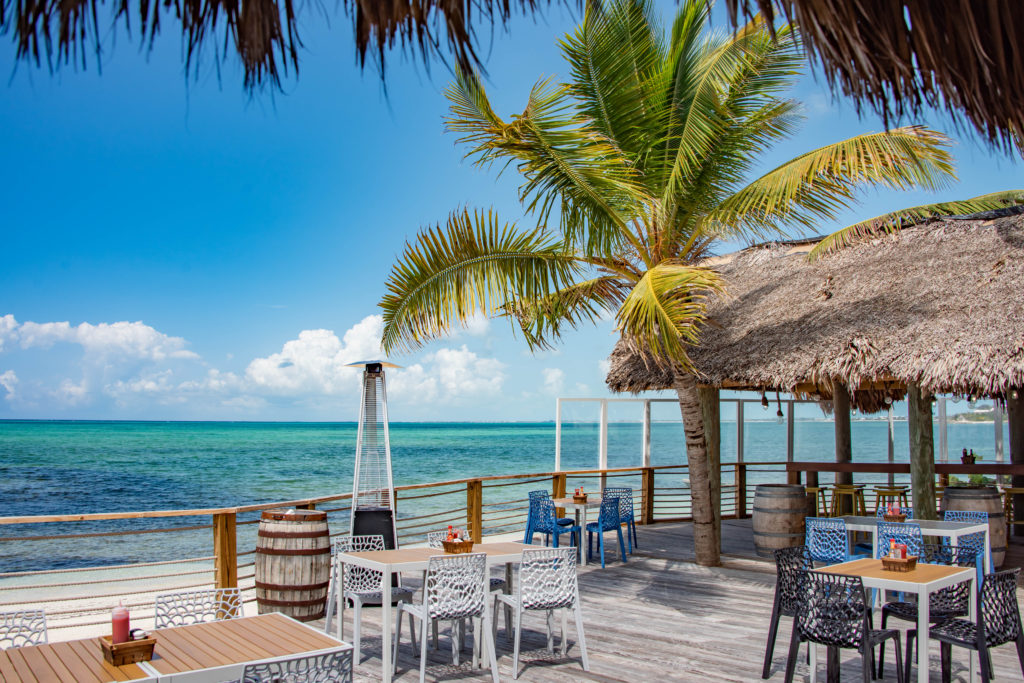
(582, 638)
(901, 676)
(423, 653)
(528, 537)
(433, 627)
(551, 635)
(340, 610)
(398, 639)
(908, 663)
(945, 651)
(600, 542)
(773, 631)
(590, 539)
(357, 623)
(556, 538)
(515, 645)
(477, 627)
(622, 546)
(487, 632)
(867, 663)
(794, 650)
(832, 664)
(985, 659)
(632, 525)
(565, 630)
(881, 650)
(629, 539)
(1020, 653)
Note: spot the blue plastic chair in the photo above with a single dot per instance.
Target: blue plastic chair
(907, 533)
(531, 517)
(827, 540)
(626, 514)
(975, 542)
(547, 524)
(608, 520)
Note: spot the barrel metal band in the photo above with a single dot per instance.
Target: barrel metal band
(292, 534)
(777, 534)
(291, 603)
(802, 509)
(283, 587)
(298, 551)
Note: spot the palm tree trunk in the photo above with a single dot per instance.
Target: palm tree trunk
(701, 500)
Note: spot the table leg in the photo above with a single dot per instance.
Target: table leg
(988, 551)
(972, 660)
(922, 636)
(814, 661)
(583, 534)
(385, 619)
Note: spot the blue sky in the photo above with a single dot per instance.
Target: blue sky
(177, 249)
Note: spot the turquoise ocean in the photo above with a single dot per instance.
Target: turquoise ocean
(62, 467)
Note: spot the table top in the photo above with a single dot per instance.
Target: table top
(592, 502)
(924, 575)
(410, 559)
(925, 524)
(178, 650)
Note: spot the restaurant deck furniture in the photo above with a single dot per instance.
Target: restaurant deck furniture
(855, 493)
(997, 622)
(331, 667)
(975, 540)
(580, 510)
(547, 523)
(818, 500)
(532, 515)
(547, 581)
(389, 562)
(885, 495)
(358, 585)
(607, 520)
(1009, 513)
(196, 607)
(790, 563)
(827, 541)
(627, 515)
(923, 580)
(834, 612)
(25, 627)
(951, 530)
(212, 651)
(943, 604)
(454, 591)
(906, 533)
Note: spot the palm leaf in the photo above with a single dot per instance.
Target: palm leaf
(472, 265)
(892, 222)
(589, 301)
(665, 309)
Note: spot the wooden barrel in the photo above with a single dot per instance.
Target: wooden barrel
(987, 499)
(779, 511)
(293, 563)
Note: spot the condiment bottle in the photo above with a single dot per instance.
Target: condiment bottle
(119, 624)
(892, 548)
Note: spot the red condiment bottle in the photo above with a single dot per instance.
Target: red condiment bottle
(119, 624)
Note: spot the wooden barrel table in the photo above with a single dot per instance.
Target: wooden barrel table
(293, 563)
(779, 512)
(986, 499)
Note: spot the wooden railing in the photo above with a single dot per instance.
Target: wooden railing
(180, 555)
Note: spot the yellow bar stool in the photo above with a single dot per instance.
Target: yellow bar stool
(817, 494)
(1008, 512)
(855, 492)
(885, 495)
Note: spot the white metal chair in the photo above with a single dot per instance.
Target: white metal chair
(329, 667)
(25, 627)
(196, 607)
(359, 585)
(454, 591)
(547, 581)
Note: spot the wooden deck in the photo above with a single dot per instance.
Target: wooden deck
(661, 617)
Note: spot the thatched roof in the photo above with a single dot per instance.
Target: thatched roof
(264, 33)
(940, 303)
(897, 55)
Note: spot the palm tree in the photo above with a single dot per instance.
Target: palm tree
(647, 155)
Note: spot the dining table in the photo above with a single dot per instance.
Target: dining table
(922, 581)
(581, 512)
(929, 527)
(398, 561)
(209, 652)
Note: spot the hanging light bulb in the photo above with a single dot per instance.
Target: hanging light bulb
(779, 417)
(764, 400)
(1013, 394)
(888, 400)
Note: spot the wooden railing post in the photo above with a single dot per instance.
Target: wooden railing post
(475, 509)
(225, 551)
(558, 491)
(741, 491)
(647, 495)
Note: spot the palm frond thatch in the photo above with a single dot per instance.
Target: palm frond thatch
(263, 33)
(899, 57)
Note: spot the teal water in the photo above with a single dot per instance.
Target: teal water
(64, 467)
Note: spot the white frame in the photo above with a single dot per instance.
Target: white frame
(951, 530)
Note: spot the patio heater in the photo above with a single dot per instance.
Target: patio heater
(373, 503)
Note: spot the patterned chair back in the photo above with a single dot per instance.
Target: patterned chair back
(833, 611)
(359, 579)
(454, 588)
(1000, 612)
(547, 578)
(975, 541)
(331, 667)
(907, 533)
(790, 564)
(197, 607)
(26, 627)
(826, 539)
(625, 496)
(544, 522)
(435, 538)
(955, 598)
(608, 519)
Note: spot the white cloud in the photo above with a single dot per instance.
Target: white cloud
(134, 340)
(554, 380)
(604, 365)
(461, 372)
(7, 327)
(9, 381)
(478, 325)
(72, 394)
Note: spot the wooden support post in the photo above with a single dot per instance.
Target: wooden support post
(558, 491)
(793, 477)
(1015, 419)
(558, 434)
(306, 506)
(647, 495)
(225, 551)
(741, 491)
(710, 407)
(922, 451)
(475, 510)
(645, 438)
(844, 445)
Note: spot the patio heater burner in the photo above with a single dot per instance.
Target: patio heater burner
(373, 503)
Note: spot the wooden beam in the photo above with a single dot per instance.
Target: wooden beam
(225, 551)
(475, 510)
(844, 444)
(1015, 418)
(1005, 469)
(647, 496)
(710, 407)
(922, 451)
(558, 491)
